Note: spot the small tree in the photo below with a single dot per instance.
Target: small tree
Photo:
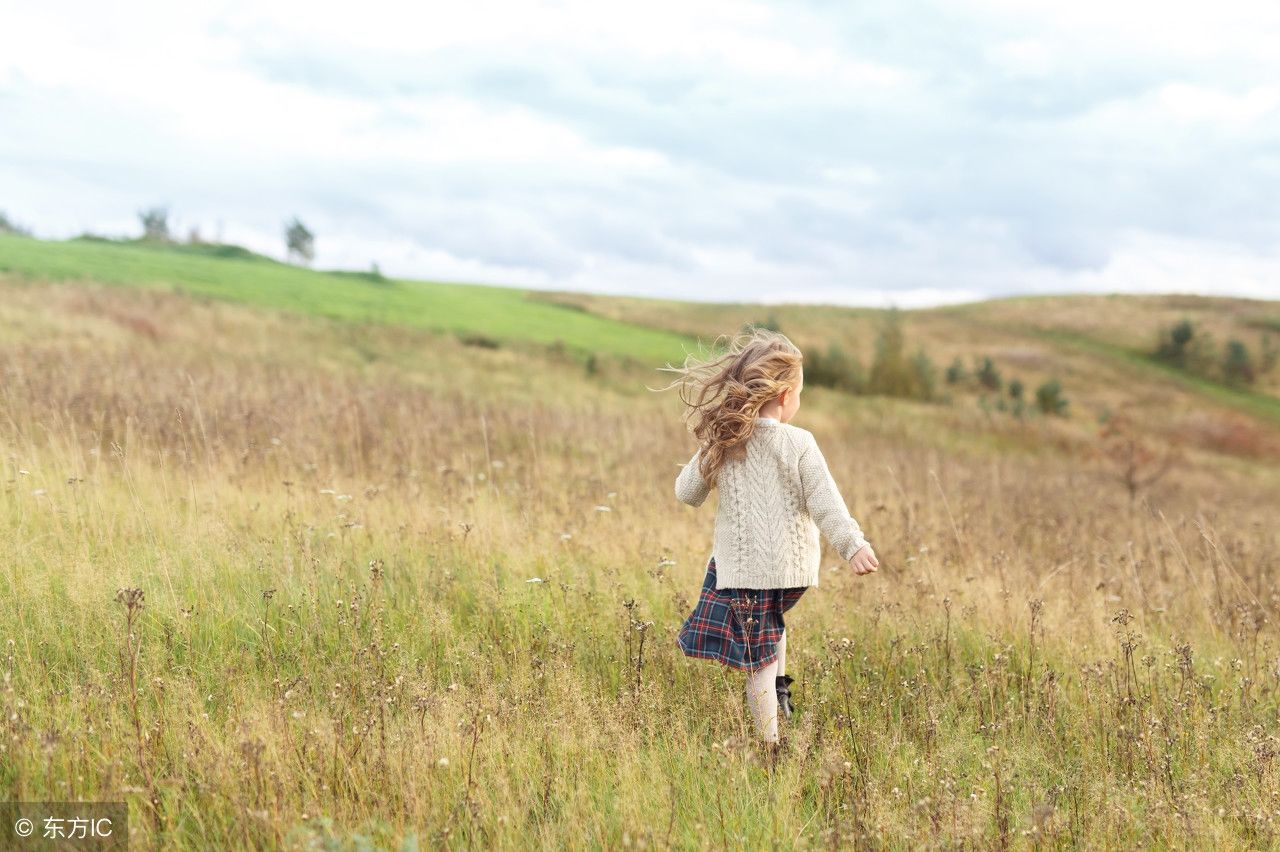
(1016, 394)
(956, 373)
(926, 375)
(1049, 398)
(1173, 343)
(1187, 348)
(891, 373)
(987, 374)
(300, 242)
(834, 368)
(155, 224)
(1237, 365)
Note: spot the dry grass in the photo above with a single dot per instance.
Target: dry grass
(333, 529)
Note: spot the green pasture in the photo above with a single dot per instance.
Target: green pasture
(501, 314)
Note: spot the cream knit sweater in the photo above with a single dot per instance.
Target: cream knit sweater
(772, 504)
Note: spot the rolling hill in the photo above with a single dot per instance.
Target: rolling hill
(1097, 346)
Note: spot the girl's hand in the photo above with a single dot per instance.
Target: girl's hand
(864, 561)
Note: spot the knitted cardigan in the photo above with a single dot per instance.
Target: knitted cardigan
(772, 504)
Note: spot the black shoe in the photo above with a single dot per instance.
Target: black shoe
(785, 707)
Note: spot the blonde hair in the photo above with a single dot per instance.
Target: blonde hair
(724, 394)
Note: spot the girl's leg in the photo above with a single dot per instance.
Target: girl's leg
(762, 698)
(782, 654)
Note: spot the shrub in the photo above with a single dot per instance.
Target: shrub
(1049, 398)
(987, 374)
(1185, 347)
(1237, 364)
(891, 373)
(834, 369)
(956, 373)
(926, 375)
(1173, 343)
(480, 340)
(1018, 405)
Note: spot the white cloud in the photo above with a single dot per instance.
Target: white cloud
(881, 153)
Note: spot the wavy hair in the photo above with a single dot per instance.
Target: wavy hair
(724, 394)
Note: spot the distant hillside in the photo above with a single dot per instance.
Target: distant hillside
(501, 313)
(1098, 347)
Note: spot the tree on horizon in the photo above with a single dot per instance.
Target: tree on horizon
(300, 242)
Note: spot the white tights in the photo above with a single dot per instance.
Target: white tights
(762, 694)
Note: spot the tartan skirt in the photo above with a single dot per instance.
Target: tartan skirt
(737, 627)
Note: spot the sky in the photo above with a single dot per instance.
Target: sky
(899, 152)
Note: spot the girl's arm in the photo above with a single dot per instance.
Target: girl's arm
(690, 487)
(825, 505)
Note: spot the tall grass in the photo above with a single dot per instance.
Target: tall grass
(284, 583)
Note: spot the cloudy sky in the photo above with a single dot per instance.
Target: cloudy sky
(896, 151)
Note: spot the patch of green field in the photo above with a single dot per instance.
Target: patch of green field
(501, 313)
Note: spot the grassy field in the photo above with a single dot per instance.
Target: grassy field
(395, 590)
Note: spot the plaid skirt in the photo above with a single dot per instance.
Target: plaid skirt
(737, 627)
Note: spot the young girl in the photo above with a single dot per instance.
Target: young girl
(775, 494)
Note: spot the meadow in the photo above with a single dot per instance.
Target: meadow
(292, 564)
